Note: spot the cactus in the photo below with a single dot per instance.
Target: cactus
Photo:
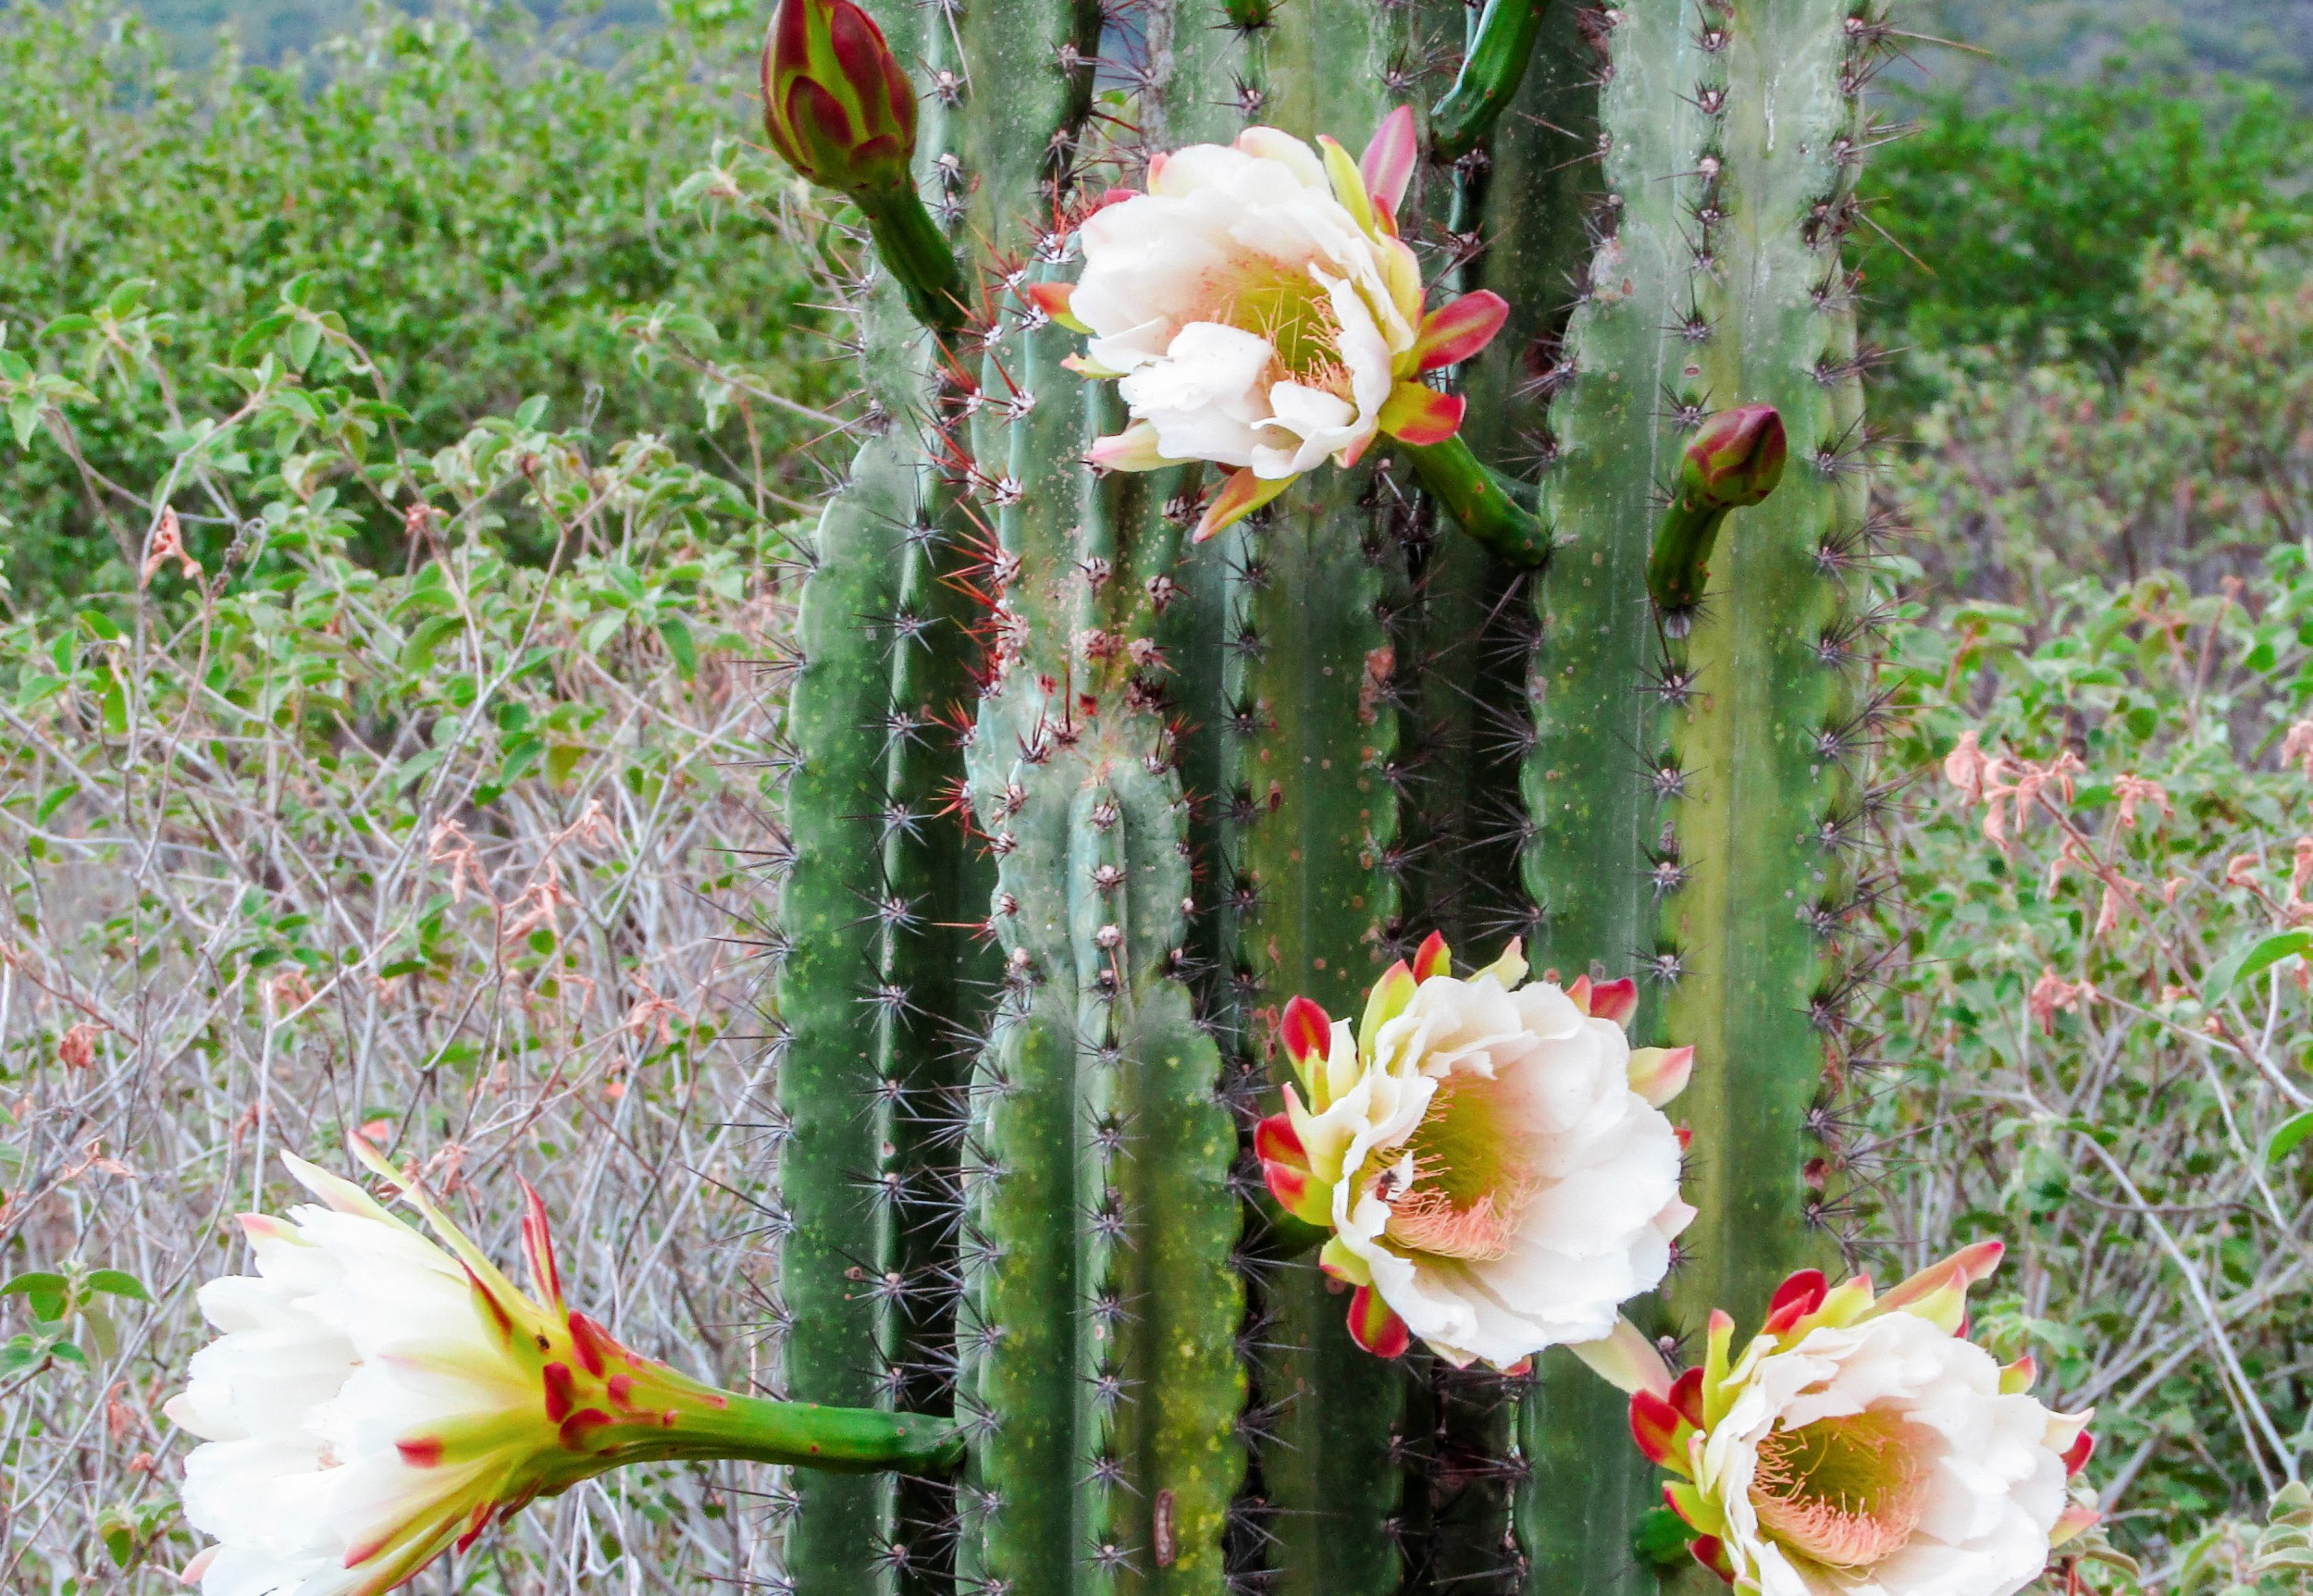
(1196, 779)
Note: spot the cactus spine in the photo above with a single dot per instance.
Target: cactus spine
(1206, 779)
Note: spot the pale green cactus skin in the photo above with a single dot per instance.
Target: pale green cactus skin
(1358, 725)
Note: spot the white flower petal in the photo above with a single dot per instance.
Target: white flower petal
(356, 1333)
(1249, 237)
(1992, 1486)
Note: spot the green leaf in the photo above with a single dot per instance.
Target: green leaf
(2287, 1134)
(677, 633)
(260, 333)
(44, 1293)
(119, 1529)
(118, 1283)
(2254, 959)
(24, 418)
(304, 340)
(124, 301)
(418, 652)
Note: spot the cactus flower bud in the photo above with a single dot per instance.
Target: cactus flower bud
(1734, 458)
(373, 1398)
(836, 105)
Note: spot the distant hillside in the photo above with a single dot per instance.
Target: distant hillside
(2266, 39)
(269, 29)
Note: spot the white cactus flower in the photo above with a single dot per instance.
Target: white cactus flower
(1861, 1446)
(1490, 1154)
(373, 1399)
(1258, 310)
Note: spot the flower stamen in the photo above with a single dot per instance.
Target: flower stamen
(1845, 1492)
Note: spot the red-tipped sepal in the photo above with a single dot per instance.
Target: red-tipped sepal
(1285, 1168)
(1305, 1032)
(1711, 1551)
(1614, 1000)
(1419, 414)
(1458, 329)
(1240, 496)
(1797, 1297)
(1375, 1326)
(1660, 1428)
(1390, 159)
(1433, 957)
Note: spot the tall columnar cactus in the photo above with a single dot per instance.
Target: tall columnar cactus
(1077, 803)
(1112, 779)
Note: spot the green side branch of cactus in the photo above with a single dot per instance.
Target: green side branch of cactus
(918, 254)
(1493, 68)
(1483, 502)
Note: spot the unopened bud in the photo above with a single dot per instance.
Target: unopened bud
(1735, 459)
(836, 105)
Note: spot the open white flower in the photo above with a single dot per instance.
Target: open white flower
(1490, 1157)
(1862, 1446)
(1258, 310)
(372, 1399)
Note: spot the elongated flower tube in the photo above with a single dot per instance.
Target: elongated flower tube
(1861, 1445)
(1488, 1154)
(371, 1400)
(1258, 310)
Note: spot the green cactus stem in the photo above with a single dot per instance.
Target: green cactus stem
(917, 253)
(1771, 826)
(1493, 68)
(1483, 502)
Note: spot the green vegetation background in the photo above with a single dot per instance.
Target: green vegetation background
(527, 271)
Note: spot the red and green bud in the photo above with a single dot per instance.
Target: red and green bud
(1735, 459)
(836, 105)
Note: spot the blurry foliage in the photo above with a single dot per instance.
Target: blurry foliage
(2071, 40)
(2080, 1080)
(2198, 460)
(454, 852)
(2024, 224)
(2101, 1003)
(475, 202)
